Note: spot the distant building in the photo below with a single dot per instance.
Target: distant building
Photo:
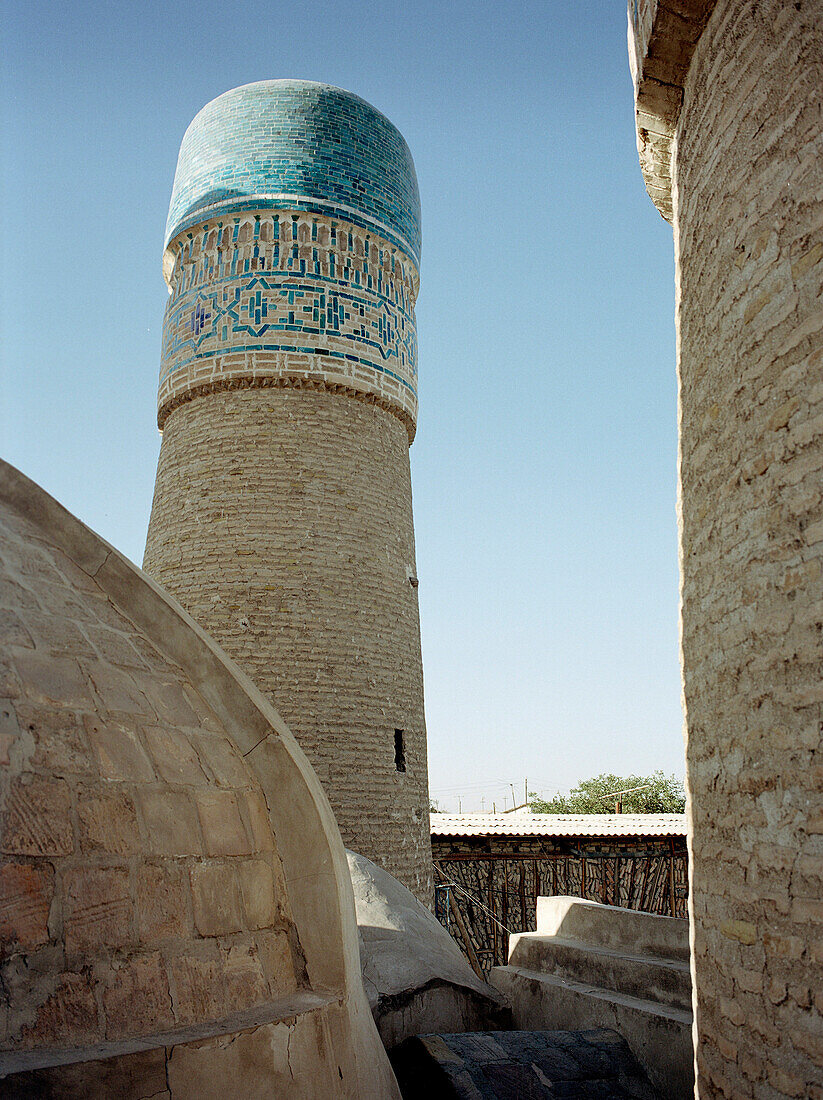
(489, 870)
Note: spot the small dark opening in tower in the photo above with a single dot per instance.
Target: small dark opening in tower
(399, 751)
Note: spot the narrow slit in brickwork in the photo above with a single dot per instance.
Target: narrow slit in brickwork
(399, 751)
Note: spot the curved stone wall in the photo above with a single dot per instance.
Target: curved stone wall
(170, 871)
(746, 193)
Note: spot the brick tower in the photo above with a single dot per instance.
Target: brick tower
(282, 514)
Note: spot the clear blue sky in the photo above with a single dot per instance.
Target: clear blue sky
(545, 463)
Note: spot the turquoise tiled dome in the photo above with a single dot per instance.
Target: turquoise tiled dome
(299, 145)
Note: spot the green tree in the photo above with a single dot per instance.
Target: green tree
(658, 794)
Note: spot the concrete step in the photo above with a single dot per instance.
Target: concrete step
(609, 926)
(666, 981)
(659, 1035)
(593, 1064)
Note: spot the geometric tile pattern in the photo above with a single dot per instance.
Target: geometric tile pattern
(290, 295)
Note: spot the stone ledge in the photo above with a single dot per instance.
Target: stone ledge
(663, 35)
(282, 1010)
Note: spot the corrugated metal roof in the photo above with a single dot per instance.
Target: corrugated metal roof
(523, 824)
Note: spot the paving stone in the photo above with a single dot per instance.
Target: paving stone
(521, 1065)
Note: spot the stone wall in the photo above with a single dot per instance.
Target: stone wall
(176, 914)
(282, 521)
(747, 190)
(136, 844)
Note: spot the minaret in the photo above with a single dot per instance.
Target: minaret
(282, 514)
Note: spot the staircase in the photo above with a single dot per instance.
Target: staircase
(599, 966)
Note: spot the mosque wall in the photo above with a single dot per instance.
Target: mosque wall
(746, 189)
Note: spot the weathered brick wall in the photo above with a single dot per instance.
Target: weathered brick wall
(140, 885)
(282, 522)
(748, 184)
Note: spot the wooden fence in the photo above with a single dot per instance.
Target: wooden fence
(483, 896)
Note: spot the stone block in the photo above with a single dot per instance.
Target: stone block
(53, 680)
(57, 636)
(216, 899)
(13, 632)
(275, 954)
(38, 818)
(25, 897)
(118, 751)
(173, 755)
(136, 1000)
(97, 910)
(67, 1017)
(257, 816)
(113, 646)
(107, 822)
(171, 824)
(244, 983)
(257, 889)
(225, 764)
(60, 742)
(161, 903)
(117, 691)
(223, 831)
(170, 702)
(197, 993)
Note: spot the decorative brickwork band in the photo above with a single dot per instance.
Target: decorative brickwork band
(290, 298)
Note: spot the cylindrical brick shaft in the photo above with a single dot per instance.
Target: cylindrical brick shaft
(282, 515)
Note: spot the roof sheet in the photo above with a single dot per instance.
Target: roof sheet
(524, 824)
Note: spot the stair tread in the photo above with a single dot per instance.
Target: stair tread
(641, 1004)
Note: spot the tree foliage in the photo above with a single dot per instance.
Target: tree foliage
(660, 794)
